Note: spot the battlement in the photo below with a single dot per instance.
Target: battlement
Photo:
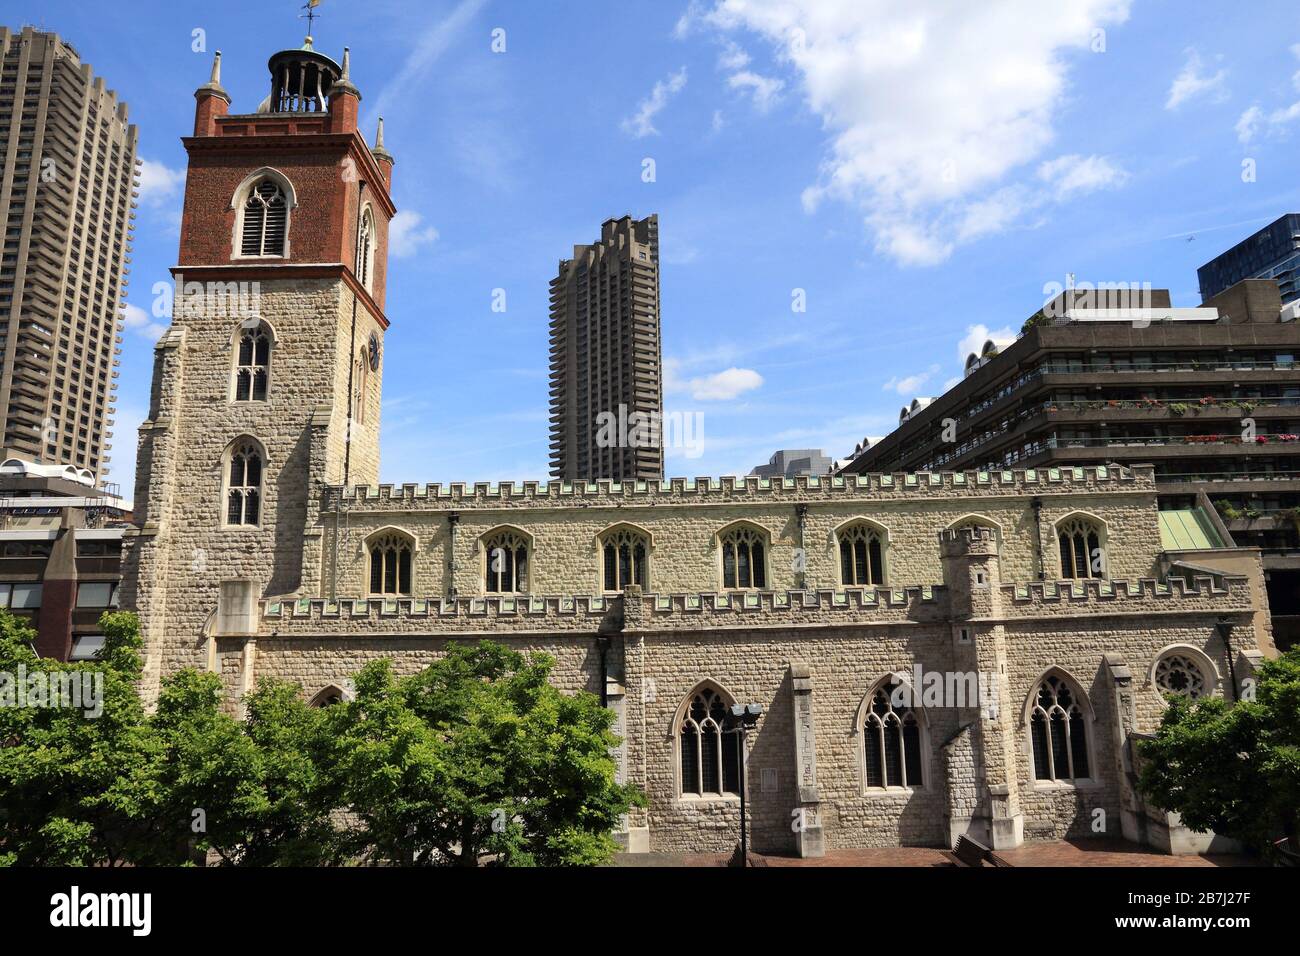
(637, 611)
(1233, 595)
(971, 539)
(901, 485)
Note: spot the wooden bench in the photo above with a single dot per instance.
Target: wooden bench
(970, 852)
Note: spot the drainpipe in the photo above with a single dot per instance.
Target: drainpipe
(602, 645)
(453, 521)
(1225, 631)
(1037, 504)
(334, 560)
(352, 340)
(801, 515)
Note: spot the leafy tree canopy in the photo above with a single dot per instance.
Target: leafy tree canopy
(1233, 768)
(477, 758)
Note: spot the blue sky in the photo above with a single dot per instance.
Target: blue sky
(920, 171)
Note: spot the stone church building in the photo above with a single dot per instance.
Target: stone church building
(934, 654)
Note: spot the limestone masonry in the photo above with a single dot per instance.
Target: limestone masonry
(935, 654)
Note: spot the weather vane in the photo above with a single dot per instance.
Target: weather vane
(311, 14)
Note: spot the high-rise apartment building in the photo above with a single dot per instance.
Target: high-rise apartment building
(606, 380)
(67, 189)
(1271, 253)
(1209, 396)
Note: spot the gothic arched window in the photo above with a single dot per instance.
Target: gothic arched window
(708, 754)
(1058, 731)
(625, 556)
(366, 248)
(744, 557)
(360, 385)
(390, 563)
(506, 563)
(862, 555)
(244, 484)
(892, 749)
(265, 221)
(253, 364)
(1082, 543)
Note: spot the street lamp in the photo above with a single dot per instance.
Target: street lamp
(742, 719)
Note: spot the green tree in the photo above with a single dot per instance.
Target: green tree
(1233, 768)
(74, 789)
(478, 756)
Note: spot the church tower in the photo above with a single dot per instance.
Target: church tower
(266, 387)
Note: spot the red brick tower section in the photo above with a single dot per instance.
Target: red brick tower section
(307, 131)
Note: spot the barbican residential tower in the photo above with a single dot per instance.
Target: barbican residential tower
(606, 357)
(67, 190)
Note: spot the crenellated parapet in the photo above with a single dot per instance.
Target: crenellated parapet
(1227, 593)
(969, 540)
(648, 612)
(1091, 479)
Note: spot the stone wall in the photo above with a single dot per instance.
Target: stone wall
(682, 521)
(666, 646)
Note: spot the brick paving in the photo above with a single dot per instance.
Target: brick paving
(1056, 853)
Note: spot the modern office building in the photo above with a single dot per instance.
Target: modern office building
(1210, 396)
(606, 378)
(1271, 253)
(60, 554)
(789, 462)
(68, 172)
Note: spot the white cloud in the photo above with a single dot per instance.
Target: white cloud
(405, 235)
(1255, 119)
(159, 183)
(1193, 81)
(430, 45)
(732, 56)
(1248, 124)
(764, 89)
(930, 105)
(642, 122)
(977, 335)
(1075, 174)
(908, 387)
(720, 386)
(137, 320)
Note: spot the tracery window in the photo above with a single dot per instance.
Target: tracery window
(1058, 731)
(744, 555)
(1082, 553)
(390, 564)
(265, 221)
(625, 554)
(360, 386)
(1181, 675)
(862, 555)
(244, 485)
(253, 365)
(506, 563)
(365, 249)
(708, 754)
(892, 749)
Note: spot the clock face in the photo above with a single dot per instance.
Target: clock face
(374, 351)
